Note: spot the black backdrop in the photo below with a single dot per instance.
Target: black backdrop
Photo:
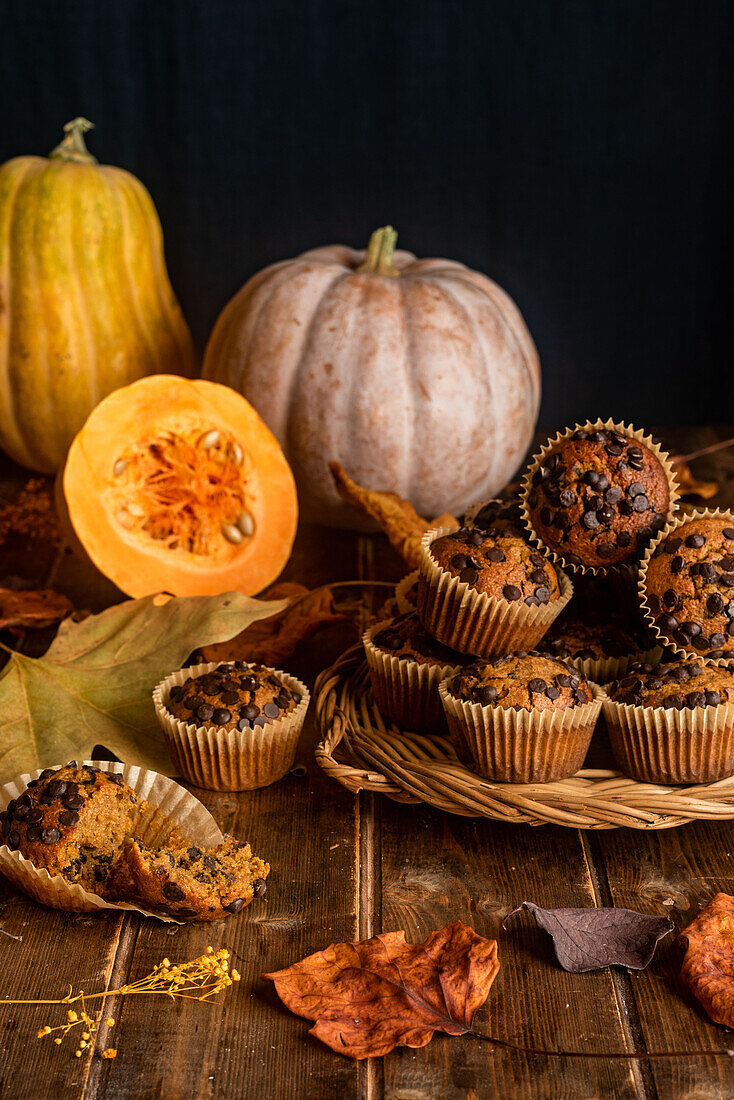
(578, 151)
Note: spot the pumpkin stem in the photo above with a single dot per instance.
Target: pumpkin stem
(73, 148)
(378, 258)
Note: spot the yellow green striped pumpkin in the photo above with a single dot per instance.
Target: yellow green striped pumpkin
(85, 301)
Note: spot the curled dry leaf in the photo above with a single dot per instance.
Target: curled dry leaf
(270, 641)
(687, 483)
(708, 965)
(397, 517)
(587, 939)
(32, 609)
(367, 998)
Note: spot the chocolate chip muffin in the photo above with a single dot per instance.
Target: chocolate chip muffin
(499, 564)
(521, 718)
(522, 681)
(499, 516)
(72, 821)
(406, 665)
(688, 587)
(678, 684)
(597, 497)
(188, 882)
(234, 696)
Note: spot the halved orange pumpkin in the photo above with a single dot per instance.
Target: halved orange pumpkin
(179, 486)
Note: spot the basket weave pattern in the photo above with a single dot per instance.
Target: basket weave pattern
(362, 751)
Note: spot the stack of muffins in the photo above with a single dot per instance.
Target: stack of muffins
(488, 644)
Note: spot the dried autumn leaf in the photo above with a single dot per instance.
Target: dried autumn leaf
(687, 483)
(28, 609)
(270, 641)
(587, 939)
(369, 997)
(397, 517)
(708, 965)
(94, 684)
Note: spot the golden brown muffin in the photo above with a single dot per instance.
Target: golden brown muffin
(501, 565)
(678, 684)
(571, 637)
(72, 821)
(406, 637)
(522, 681)
(689, 587)
(598, 498)
(234, 696)
(189, 883)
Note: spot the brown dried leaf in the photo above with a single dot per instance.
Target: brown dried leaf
(397, 517)
(271, 641)
(32, 609)
(369, 997)
(708, 965)
(687, 483)
(587, 939)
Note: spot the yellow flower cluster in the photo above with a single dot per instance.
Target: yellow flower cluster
(200, 979)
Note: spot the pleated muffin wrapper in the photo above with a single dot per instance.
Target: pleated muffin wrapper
(167, 808)
(602, 670)
(403, 594)
(406, 691)
(473, 622)
(669, 746)
(231, 760)
(594, 426)
(678, 521)
(521, 746)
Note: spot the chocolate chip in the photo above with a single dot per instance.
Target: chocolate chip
(235, 906)
(654, 603)
(21, 812)
(717, 640)
(50, 836)
(73, 800)
(46, 774)
(194, 853)
(696, 699)
(695, 541)
(185, 912)
(641, 503)
(552, 692)
(715, 603)
(605, 549)
(668, 622)
(13, 838)
(68, 818)
(229, 698)
(613, 495)
(676, 564)
(250, 683)
(270, 710)
(458, 561)
(624, 539)
(670, 598)
(727, 579)
(469, 575)
(707, 572)
(728, 532)
(259, 887)
(173, 891)
(34, 816)
(536, 685)
(691, 628)
(221, 716)
(590, 520)
(546, 517)
(205, 712)
(713, 698)
(55, 789)
(485, 694)
(495, 554)
(625, 508)
(567, 498)
(33, 833)
(645, 533)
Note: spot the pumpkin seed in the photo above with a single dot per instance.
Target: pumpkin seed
(237, 454)
(124, 518)
(209, 439)
(246, 523)
(119, 467)
(231, 533)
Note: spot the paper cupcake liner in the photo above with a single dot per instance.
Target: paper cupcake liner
(406, 691)
(230, 760)
(669, 746)
(403, 593)
(473, 622)
(596, 425)
(521, 746)
(673, 525)
(168, 807)
(604, 669)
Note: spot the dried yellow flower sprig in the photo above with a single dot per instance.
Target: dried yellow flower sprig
(201, 979)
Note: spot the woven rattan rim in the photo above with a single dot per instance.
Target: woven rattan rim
(363, 752)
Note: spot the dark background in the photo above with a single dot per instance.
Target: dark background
(578, 151)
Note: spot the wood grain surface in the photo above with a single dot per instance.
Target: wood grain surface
(345, 867)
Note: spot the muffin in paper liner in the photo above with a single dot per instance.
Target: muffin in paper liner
(406, 691)
(521, 746)
(677, 521)
(593, 425)
(474, 622)
(669, 746)
(166, 807)
(403, 594)
(231, 760)
(604, 669)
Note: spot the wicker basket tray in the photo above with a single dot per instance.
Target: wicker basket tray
(363, 752)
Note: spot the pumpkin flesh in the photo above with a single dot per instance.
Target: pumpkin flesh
(178, 486)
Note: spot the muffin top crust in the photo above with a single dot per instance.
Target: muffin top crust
(598, 497)
(405, 637)
(678, 684)
(233, 696)
(689, 587)
(522, 681)
(500, 565)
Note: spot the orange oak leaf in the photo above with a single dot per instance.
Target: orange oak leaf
(397, 517)
(367, 998)
(708, 965)
(271, 641)
(687, 483)
(32, 609)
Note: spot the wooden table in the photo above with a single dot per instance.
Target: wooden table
(344, 868)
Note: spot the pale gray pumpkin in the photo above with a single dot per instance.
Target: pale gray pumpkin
(418, 376)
